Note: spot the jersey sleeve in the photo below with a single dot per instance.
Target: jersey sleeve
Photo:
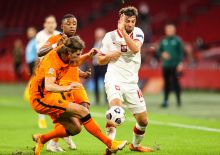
(105, 44)
(139, 35)
(50, 70)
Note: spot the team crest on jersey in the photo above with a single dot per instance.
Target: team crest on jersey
(124, 48)
(51, 71)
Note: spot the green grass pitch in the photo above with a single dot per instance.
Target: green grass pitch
(193, 129)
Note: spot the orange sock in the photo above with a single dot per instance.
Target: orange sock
(95, 130)
(56, 125)
(58, 132)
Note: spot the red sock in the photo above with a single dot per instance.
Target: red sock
(58, 132)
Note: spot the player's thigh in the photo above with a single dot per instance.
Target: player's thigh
(134, 99)
(114, 94)
(52, 105)
(75, 110)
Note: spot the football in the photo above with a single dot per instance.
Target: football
(115, 115)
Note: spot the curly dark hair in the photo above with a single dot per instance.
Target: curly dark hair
(72, 44)
(129, 11)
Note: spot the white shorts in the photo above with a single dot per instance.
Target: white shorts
(130, 95)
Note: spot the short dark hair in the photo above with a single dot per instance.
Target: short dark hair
(49, 16)
(129, 11)
(68, 16)
(170, 23)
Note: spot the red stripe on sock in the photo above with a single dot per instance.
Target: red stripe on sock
(138, 132)
(108, 125)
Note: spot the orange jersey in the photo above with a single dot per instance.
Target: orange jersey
(50, 66)
(73, 73)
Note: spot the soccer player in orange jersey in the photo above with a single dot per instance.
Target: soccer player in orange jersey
(69, 26)
(46, 97)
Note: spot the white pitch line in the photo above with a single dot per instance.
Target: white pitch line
(177, 125)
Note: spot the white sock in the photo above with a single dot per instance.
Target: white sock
(41, 116)
(138, 134)
(52, 143)
(111, 132)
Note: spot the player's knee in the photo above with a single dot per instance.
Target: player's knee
(77, 129)
(143, 122)
(84, 111)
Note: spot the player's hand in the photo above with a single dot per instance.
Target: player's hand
(73, 85)
(165, 56)
(93, 52)
(114, 56)
(85, 74)
(62, 40)
(121, 23)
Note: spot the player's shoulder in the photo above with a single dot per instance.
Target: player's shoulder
(54, 38)
(178, 38)
(50, 58)
(40, 34)
(56, 32)
(138, 30)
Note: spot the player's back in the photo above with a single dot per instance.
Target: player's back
(50, 66)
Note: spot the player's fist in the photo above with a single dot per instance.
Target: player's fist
(62, 40)
(85, 74)
(165, 56)
(93, 52)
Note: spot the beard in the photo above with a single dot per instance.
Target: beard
(129, 30)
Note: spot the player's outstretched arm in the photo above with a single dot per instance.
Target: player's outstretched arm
(51, 86)
(44, 50)
(104, 59)
(88, 55)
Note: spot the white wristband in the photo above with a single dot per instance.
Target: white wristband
(54, 45)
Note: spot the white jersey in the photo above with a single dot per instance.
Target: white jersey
(126, 68)
(42, 38)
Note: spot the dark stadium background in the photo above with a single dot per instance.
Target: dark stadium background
(197, 22)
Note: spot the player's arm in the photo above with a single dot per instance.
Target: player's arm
(104, 59)
(51, 86)
(106, 53)
(51, 44)
(85, 74)
(88, 55)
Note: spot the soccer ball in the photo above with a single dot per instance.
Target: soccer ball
(115, 115)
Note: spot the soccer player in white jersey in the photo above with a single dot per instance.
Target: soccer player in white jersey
(121, 51)
(42, 36)
(49, 30)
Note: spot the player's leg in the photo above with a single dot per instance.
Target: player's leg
(166, 77)
(137, 106)
(114, 96)
(54, 106)
(79, 111)
(42, 124)
(176, 84)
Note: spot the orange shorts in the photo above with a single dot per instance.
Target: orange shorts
(52, 104)
(78, 96)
